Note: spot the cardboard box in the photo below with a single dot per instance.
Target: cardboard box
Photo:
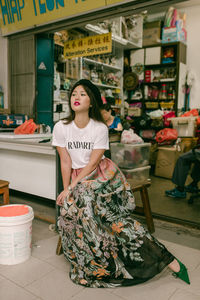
(151, 33)
(166, 160)
(173, 34)
(188, 143)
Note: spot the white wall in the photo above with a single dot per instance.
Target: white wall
(193, 51)
(4, 68)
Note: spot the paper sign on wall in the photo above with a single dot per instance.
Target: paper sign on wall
(92, 45)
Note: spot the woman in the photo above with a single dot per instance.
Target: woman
(111, 121)
(104, 244)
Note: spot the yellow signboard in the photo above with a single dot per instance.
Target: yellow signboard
(18, 15)
(92, 45)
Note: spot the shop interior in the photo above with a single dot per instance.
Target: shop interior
(122, 78)
(142, 79)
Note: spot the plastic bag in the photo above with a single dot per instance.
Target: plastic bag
(166, 136)
(170, 114)
(28, 127)
(157, 122)
(191, 113)
(148, 134)
(156, 113)
(129, 137)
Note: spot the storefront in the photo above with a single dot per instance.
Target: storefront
(58, 43)
(34, 32)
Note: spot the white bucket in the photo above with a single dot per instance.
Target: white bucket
(15, 233)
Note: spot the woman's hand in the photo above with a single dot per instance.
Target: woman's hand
(61, 197)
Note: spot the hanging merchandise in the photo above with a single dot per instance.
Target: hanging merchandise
(187, 88)
(56, 82)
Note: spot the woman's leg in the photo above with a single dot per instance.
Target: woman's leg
(182, 168)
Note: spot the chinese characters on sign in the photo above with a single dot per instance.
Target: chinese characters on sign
(92, 45)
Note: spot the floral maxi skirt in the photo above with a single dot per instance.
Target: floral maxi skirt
(104, 244)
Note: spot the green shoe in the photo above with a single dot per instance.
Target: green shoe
(182, 274)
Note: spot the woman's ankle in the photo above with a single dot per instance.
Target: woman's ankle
(174, 266)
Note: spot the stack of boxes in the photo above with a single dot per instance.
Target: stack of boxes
(133, 160)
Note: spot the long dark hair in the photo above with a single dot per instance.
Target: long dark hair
(94, 110)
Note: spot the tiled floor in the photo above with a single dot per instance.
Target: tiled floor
(46, 276)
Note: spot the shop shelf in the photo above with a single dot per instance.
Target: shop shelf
(106, 86)
(119, 41)
(94, 62)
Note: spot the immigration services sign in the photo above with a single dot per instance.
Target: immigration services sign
(20, 15)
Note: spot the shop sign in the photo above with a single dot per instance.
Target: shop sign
(92, 45)
(18, 15)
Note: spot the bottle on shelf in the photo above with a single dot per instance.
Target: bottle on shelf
(170, 93)
(173, 94)
(163, 92)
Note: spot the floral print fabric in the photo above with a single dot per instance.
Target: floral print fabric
(105, 245)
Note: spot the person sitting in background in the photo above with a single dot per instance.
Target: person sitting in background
(181, 171)
(113, 122)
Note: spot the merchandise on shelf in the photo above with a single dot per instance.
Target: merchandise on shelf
(13, 120)
(151, 33)
(173, 34)
(168, 55)
(174, 29)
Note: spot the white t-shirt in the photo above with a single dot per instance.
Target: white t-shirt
(80, 142)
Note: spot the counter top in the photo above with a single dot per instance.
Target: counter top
(30, 144)
(11, 135)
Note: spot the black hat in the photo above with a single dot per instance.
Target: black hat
(92, 87)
